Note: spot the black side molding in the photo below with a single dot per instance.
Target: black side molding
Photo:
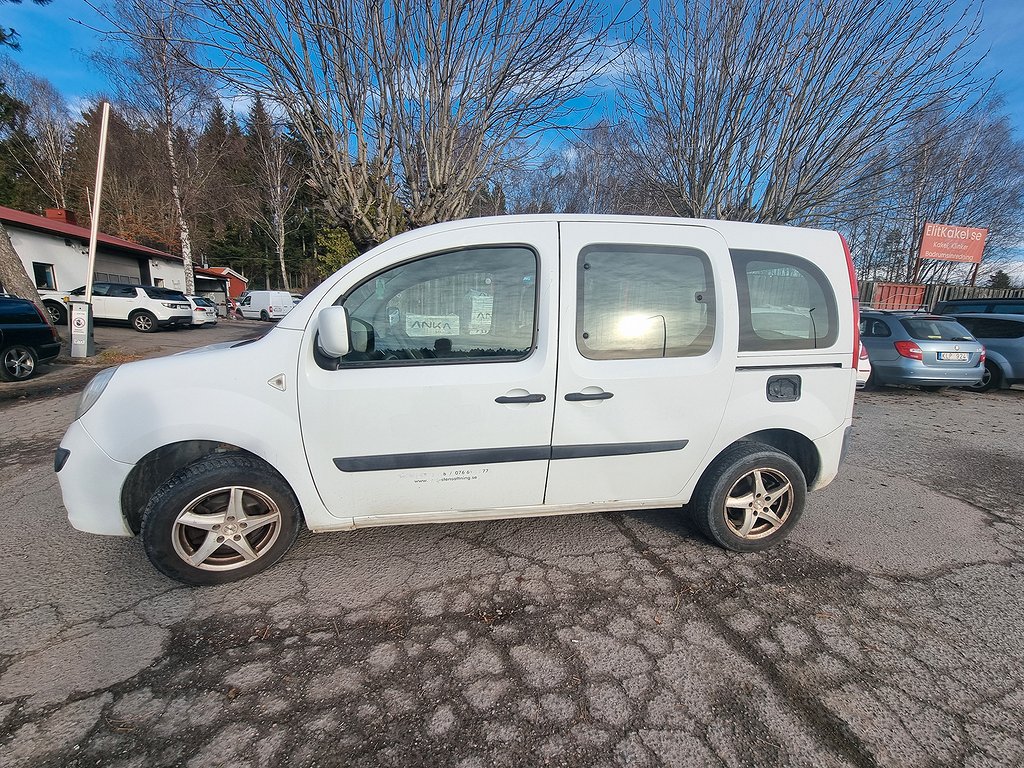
(442, 458)
(500, 455)
(614, 449)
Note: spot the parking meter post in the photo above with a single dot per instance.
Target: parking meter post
(82, 344)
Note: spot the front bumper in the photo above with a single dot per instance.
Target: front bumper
(91, 483)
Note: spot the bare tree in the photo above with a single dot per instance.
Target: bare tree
(407, 107)
(955, 166)
(49, 130)
(146, 60)
(767, 109)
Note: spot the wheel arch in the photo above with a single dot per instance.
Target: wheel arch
(156, 467)
(795, 445)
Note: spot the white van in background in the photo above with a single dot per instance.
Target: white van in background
(265, 305)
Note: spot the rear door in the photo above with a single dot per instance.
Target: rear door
(647, 353)
(119, 302)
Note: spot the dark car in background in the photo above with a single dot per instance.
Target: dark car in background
(958, 306)
(926, 351)
(1003, 337)
(26, 339)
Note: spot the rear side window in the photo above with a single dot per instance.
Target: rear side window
(928, 329)
(872, 328)
(18, 313)
(987, 328)
(957, 306)
(161, 294)
(643, 301)
(785, 303)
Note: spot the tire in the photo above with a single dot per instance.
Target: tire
(58, 313)
(144, 322)
(736, 475)
(17, 362)
(991, 379)
(213, 547)
(264, 316)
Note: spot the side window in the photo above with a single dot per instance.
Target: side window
(871, 327)
(99, 289)
(643, 301)
(965, 307)
(785, 303)
(121, 292)
(475, 304)
(986, 328)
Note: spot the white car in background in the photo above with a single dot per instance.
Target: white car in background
(863, 368)
(204, 311)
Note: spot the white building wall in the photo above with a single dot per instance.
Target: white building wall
(70, 260)
(68, 257)
(171, 272)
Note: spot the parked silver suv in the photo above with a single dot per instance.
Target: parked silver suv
(928, 351)
(146, 308)
(1003, 337)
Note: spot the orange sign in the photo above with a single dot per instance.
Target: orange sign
(948, 243)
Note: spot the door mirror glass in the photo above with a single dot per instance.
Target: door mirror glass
(332, 330)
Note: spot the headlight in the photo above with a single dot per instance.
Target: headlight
(93, 391)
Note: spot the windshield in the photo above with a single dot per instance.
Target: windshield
(202, 301)
(931, 329)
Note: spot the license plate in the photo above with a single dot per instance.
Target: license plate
(962, 357)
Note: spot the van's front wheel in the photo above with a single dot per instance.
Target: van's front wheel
(220, 519)
(750, 497)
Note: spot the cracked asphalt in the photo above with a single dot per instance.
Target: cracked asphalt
(888, 631)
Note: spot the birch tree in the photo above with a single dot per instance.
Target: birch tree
(277, 179)
(146, 60)
(766, 110)
(408, 108)
(45, 143)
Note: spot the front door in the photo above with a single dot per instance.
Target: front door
(647, 358)
(445, 402)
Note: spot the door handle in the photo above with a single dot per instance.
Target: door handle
(575, 397)
(504, 399)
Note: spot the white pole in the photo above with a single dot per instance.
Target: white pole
(94, 233)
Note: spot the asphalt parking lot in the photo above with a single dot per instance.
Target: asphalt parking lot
(888, 631)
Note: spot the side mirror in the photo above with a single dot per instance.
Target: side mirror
(332, 327)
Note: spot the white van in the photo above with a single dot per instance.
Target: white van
(265, 305)
(490, 368)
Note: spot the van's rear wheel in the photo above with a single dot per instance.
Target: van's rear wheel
(220, 519)
(750, 497)
(264, 316)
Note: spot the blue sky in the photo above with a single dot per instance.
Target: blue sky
(55, 45)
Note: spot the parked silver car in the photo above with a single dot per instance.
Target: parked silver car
(927, 351)
(1003, 337)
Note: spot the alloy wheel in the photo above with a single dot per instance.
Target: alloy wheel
(759, 503)
(226, 528)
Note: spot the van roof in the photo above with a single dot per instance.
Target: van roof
(738, 234)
